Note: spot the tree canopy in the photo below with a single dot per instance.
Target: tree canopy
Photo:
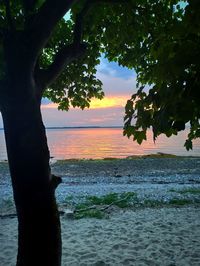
(159, 39)
(169, 64)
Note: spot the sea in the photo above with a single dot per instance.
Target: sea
(107, 142)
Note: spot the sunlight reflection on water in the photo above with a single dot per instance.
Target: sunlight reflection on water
(106, 142)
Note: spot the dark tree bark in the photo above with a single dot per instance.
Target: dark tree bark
(39, 235)
(39, 241)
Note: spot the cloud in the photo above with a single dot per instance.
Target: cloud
(114, 70)
(106, 112)
(116, 86)
(106, 102)
(111, 116)
(104, 68)
(49, 105)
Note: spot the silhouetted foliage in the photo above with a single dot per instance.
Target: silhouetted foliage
(168, 74)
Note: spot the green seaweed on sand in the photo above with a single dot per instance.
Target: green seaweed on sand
(180, 202)
(154, 156)
(187, 191)
(95, 207)
(172, 202)
(121, 200)
(90, 214)
(8, 202)
(99, 206)
(69, 198)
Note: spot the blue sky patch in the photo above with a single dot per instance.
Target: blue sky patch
(114, 70)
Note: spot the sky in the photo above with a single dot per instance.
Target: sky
(118, 84)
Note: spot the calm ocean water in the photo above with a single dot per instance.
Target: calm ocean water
(106, 142)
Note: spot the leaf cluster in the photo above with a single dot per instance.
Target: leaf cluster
(168, 96)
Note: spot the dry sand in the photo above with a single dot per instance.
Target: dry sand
(164, 236)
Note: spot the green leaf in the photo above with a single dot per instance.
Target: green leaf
(188, 144)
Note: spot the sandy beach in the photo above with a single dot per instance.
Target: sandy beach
(165, 235)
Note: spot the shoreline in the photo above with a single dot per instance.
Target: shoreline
(156, 155)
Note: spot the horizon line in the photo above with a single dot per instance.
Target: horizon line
(70, 127)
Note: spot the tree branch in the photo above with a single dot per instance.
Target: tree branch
(65, 56)
(72, 52)
(41, 27)
(28, 6)
(45, 20)
(8, 15)
(78, 27)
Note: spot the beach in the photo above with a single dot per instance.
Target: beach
(164, 234)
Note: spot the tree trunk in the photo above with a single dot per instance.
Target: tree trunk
(39, 237)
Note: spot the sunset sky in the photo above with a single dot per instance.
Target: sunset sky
(118, 84)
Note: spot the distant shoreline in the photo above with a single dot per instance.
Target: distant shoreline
(81, 127)
(86, 127)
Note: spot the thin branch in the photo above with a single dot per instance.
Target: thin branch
(103, 208)
(65, 56)
(93, 207)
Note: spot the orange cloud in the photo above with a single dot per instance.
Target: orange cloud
(106, 102)
(49, 106)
